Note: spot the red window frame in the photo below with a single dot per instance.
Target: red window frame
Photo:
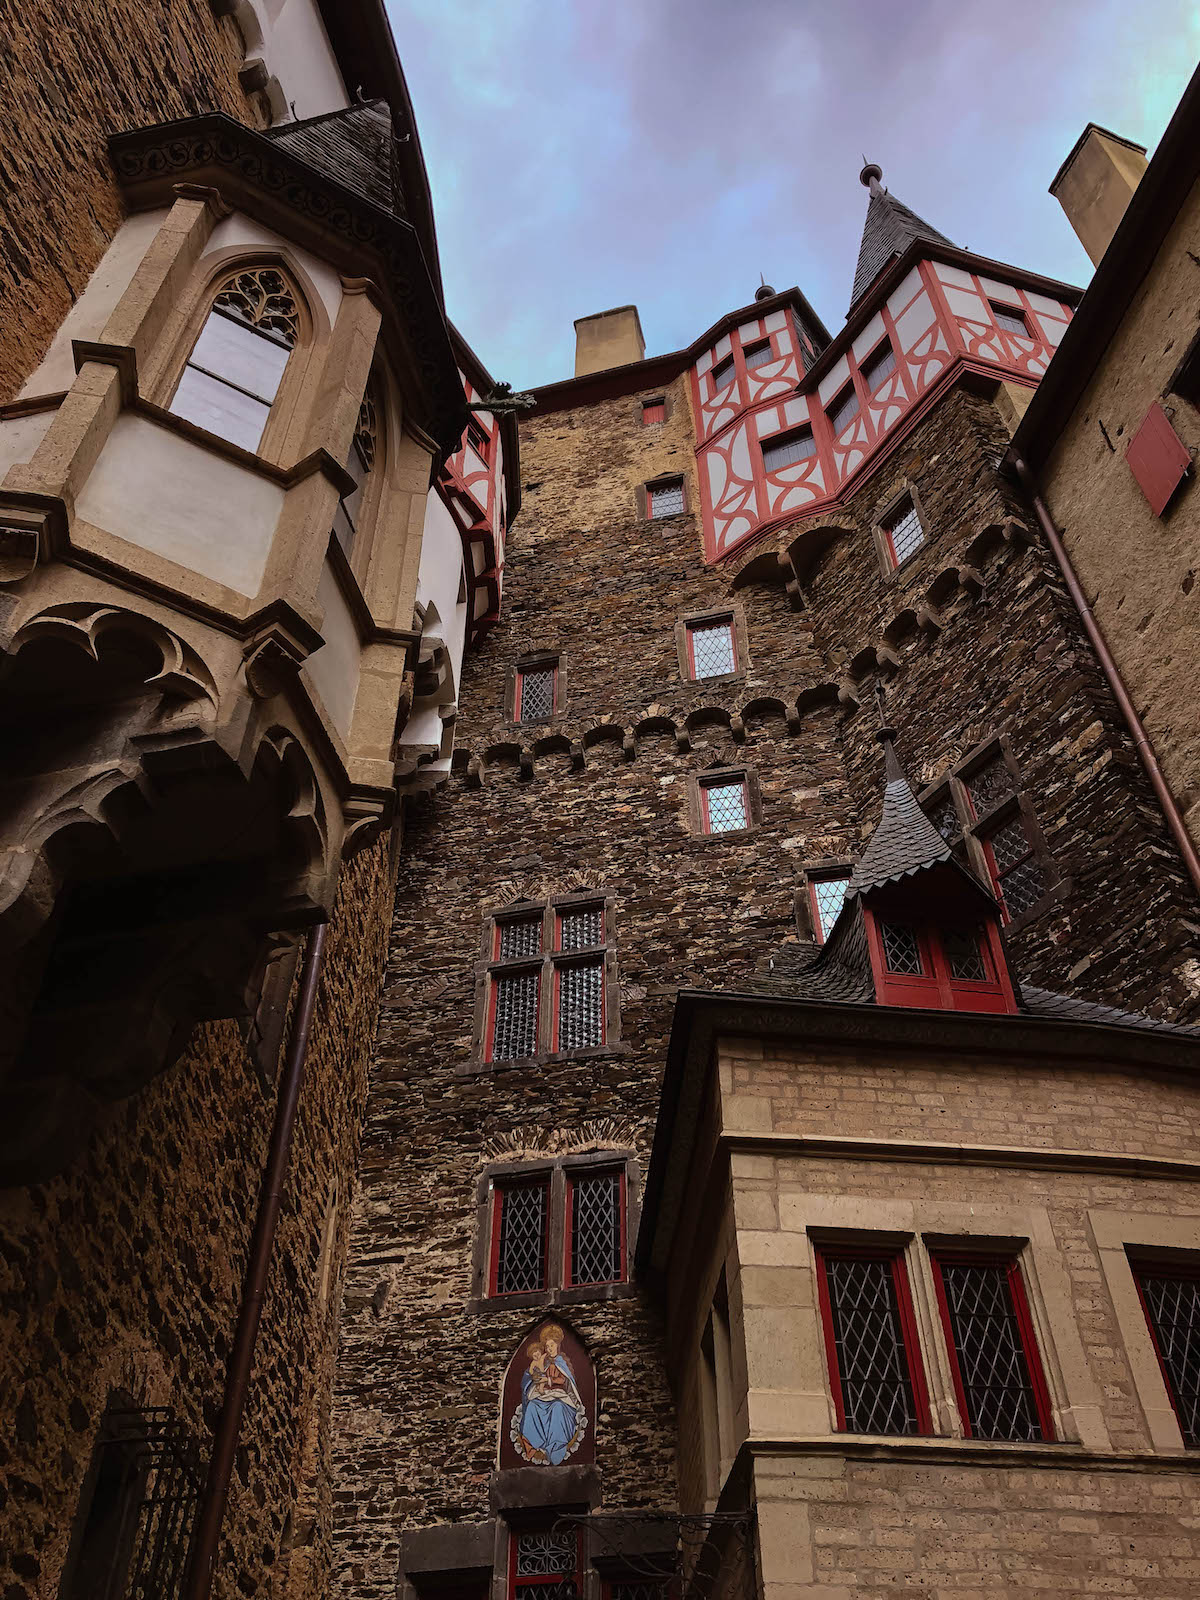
(518, 968)
(574, 1176)
(723, 781)
(1029, 1345)
(909, 1339)
(1164, 1269)
(480, 441)
(661, 487)
(545, 1580)
(989, 856)
(579, 960)
(709, 623)
(935, 987)
(885, 347)
(653, 411)
(842, 398)
(519, 690)
(907, 506)
(540, 1180)
(814, 878)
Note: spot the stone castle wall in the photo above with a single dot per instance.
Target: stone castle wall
(598, 799)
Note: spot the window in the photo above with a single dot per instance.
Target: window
(901, 949)
(520, 1237)
(997, 1372)
(938, 967)
(360, 463)
(549, 985)
(234, 371)
(902, 532)
(653, 411)
(595, 1230)
(844, 409)
(724, 804)
(757, 355)
(871, 1341)
(639, 1589)
(542, 1564)
(980, 810)
(711, 648)
(1170, 1297)
(536, 693)
(722, 374)
(1011, 318)
(880, 364)
(665, 499)
(560, 1228)
(827, 891)
(787, 448)
(479, 439)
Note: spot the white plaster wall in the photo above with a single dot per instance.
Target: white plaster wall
(95, 305)
(175, 497)
(439, 578)
(240, 233)
(334, 668)
(287, 36)
(20, 437)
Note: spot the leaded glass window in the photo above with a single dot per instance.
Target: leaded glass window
(711, 648)
(828, 895)
(904, 532)
(520, 1241)
(1172, 1304)
(989, 784)
(964, 957)
(844, 408)
(944, 815)
(666, 499)
(991, 1343)
(792, 447)
(535, 692)
(758, 355)
(597, 1218)
(581, 928)
(1016, 872)
(901, 949)
(870, 1363)
(724, 806)
(640, 1589)
(515, 1025)
(580, 1004)
(520, 937)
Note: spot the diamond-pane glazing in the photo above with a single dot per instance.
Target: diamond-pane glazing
(545, 1555)
(579, 930)
(521, 1260)
(537, 694)
(1173, 1306)
(726, 804)
(944, 816)
(906, 533)
(1021, 881)
(521, 938)
(580, 1005)
(666, 499)
(990, 784)
(783, 452)
(991, 1355)
(901, 951)
(965, 957)
(641, 1589)
(829, 893)
(515, 1030)
(877, 1395)
(712, 648)
(757, 355)
(596, 1228)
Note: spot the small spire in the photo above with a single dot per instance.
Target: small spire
(764, 290)
(888, 229)
(871, 176)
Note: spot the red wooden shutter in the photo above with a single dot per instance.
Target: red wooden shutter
(1158, 459)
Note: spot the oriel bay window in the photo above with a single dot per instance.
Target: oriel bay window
(871, 1344)
(550, 983)
(558, 1228)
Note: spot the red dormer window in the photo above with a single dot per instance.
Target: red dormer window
(940, 968)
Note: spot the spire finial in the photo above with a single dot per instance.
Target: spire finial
(764, 290)
(871, 175)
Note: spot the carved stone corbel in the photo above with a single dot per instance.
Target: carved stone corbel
(277, 644)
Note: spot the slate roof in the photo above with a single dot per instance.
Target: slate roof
(890, 227)
(354, 146)
(905, 840)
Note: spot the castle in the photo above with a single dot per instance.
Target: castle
(602, 987)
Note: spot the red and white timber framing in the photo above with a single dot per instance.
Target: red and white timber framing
(472, 485)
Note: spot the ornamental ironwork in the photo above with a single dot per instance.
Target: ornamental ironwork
(515, 1033)
(261, 298)
(580, 930)
(653, 1555)
(596, 1228)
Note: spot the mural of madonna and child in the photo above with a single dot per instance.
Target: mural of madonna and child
(553, 1397)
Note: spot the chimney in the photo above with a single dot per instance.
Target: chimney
(1095, 184)
(608, 339)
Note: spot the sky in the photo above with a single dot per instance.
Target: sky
(585, 154)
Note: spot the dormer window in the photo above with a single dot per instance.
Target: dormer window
(941, 967)
(232, 376)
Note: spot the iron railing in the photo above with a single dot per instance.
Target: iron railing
(656, 1555)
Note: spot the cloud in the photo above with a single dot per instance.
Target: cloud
(666, 152)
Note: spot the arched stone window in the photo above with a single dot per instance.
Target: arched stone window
(233, 373)
(366, 449)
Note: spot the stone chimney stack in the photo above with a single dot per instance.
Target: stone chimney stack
(1095, 184)
(608, 339)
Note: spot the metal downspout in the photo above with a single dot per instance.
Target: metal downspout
(202, 1561)
(1145, 750)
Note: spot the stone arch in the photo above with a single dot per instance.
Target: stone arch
(809, 545)
(548, 1399)
(765, 709)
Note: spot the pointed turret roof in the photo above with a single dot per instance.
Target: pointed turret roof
(889, 229)
(905, 840)
(354, 146)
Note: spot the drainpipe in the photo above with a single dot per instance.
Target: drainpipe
(1149, 760)
(202, 1563)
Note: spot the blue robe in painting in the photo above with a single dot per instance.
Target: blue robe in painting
(548, 1424)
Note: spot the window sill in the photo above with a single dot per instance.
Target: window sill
(547, 1299)
(719, 677)
(549, 1058)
